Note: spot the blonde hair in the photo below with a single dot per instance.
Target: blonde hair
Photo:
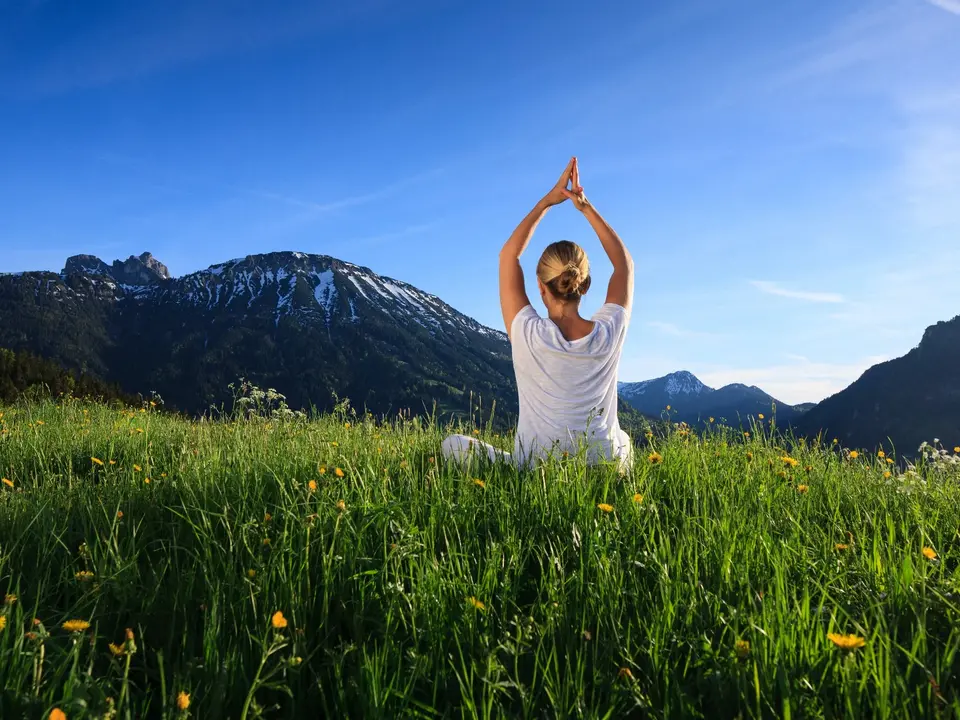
(565, 270)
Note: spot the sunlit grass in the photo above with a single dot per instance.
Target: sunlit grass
(338, 567)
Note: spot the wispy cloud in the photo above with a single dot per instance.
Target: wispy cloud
(951, 6)
(395, 235)
(668, 328)
(772, 288)
(145, 38)
(311, 210)
(801, 381)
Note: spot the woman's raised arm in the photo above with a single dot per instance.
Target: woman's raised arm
(513, 293)
(620, 289)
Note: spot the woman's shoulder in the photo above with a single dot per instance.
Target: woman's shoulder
(612, 311)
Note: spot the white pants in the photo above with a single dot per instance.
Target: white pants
(460, 447)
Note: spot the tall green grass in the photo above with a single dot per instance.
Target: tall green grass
(409, 589)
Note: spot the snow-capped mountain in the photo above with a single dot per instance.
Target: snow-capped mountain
(691, 401)
(674, 384)
(309, 325)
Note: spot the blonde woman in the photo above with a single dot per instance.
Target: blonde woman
(566, 365)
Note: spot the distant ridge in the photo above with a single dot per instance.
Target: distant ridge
(899, 403)
(692, 401)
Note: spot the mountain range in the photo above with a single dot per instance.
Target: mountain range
(312, 326)
(318, 328)
(692, 402)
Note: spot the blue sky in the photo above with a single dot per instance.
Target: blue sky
(786, 174)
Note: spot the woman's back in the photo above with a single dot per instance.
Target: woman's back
(568, 387)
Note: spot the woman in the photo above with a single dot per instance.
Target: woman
(566, 365)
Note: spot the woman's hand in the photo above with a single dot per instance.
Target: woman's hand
(559, 191)
(575, 192)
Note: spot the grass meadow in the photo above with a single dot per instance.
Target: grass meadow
(159, 567)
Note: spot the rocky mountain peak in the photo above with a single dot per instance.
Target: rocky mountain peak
(142, 270)
(85, 265)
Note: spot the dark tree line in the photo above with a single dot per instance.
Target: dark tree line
(25, 373)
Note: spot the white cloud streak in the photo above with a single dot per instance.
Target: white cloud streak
(951, 6)
(668, 328)
(772, 288)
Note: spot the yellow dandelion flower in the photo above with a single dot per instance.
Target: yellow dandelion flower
(787, 460)
(119, 514)
(668, 407)
(183, 701)
(808, 468)
(346, 426)
(75, 626)
(278, 621)
(476, 432)
(9, 599)
(322, 470)
(841, 546)
(312, 485)
(749, 456)
(57, 714)
(802, 488)
(854, 454)
(881, 454)
(335, 444)
(112, 462)
(746, 434)
(648, 434)
(479, 483)
(846, 642)
(625, 674)
(710, 420)
(338, 472)
(889, 461)
(251, 573)
(887, 474)
(266, 541)
(146, 480)
(116, 650)
(637, 498)
(267, 517)
(605, 507)
(8, 482)
(476, 603)
(760, 415)
(929, 553)
(84, 576)
(137, 468)
(835, 441)
(743, 649)
(341, 505)
(96, 461)
(655, 458)
(3, 622)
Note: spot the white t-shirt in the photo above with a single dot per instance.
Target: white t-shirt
(568, 388)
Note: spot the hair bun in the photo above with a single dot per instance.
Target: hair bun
(564, 269)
